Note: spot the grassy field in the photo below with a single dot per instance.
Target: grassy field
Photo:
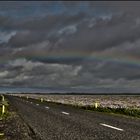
(112, 101)
(118, 104)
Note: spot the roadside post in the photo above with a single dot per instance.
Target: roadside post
(3, 106)
(1, 135)
(3, 111)
(41, 99)
(96, 104)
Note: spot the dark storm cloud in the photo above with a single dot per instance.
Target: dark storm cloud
(41, 23)
(118, 29)
(56, 46)
(25, 38)
(22, 72)
(117, 32)
(37, 30)
(112, 70)
(111, 33)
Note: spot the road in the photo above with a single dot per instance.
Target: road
(58, 122)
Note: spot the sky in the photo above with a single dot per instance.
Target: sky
(90, 46)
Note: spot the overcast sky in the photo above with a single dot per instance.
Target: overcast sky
(70, 45)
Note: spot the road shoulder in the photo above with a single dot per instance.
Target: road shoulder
(14, 128)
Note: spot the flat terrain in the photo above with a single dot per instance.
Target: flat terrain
(113, 101)
(58, 122)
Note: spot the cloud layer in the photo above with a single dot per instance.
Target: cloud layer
(75, 45)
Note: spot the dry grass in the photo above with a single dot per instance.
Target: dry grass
(112, 101)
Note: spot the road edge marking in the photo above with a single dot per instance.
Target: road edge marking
(106, 125)
(47, 107)
(66, 113)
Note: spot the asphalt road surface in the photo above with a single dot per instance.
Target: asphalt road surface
(58, 122)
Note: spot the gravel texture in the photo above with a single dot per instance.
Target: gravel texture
(14, 128)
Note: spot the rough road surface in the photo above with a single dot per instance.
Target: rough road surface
(14, 128)
(58, 122)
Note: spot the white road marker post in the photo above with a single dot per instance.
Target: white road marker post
(41, 99)
(3, 106)
(3, 111)
(96, 105)
(1, 134)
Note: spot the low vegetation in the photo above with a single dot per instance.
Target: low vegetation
(123, 111)
(118, 104)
